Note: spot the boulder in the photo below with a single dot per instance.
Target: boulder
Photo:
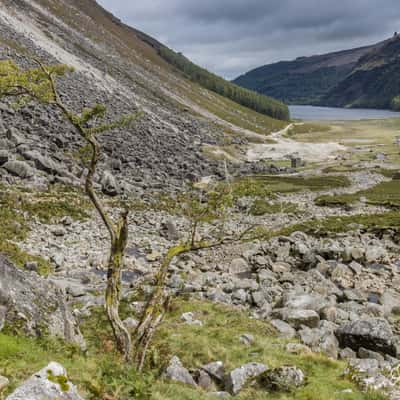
(284, 329)
(204, 380)
(43, 163)
(375, 254)
(343, 276)
(215, 369)
(321, 340)
(189, 319)
(178, 373)
(305, 302)
(299, 318)
(283, 379)
(4, 155)
(15, 136)
(238, 266)
(169, 231)
(239, 377)
(109, 184)
(50, 383)
(19, 168)
(131, 324)
(34, 305)
(373, 334)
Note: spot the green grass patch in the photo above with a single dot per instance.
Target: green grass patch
(340, 169)
(307, 127)
(267, 186)
(263, 207)
(101, 375)
(385, 194)
(334, 224)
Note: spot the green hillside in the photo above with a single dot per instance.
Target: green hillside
(257, 102)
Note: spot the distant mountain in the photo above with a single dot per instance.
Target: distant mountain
(374, 82)
(361, 77)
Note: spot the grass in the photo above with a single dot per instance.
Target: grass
(302, 128)
(334, 224)
(261, 207)
(267, 186)
(385, 194)
(18, 207)
(100, 375)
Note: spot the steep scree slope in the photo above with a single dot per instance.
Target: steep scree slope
(120, 67)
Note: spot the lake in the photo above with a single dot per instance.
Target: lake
(312, 113)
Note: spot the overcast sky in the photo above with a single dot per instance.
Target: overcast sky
(230, 37)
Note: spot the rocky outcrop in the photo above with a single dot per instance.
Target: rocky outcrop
(19, 168)
(374, 334)
(239, 377)
(283, 379)
(50, 383)
(178, 373)
(33, 306)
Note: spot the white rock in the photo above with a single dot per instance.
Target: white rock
(50, 383)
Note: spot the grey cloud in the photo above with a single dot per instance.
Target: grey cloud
(230, 37)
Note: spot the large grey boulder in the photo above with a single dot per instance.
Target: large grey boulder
(283, 379)
(299, 318)
(15, 136)
(284, 329)
(305, 301)
(215, 369)
(321, 340)
(50, 383)
(19, 168)
(373, 334)
(109, 184)
(34, 306)
(239, 377)
(43, 163)
(4, 156)
(178, 373)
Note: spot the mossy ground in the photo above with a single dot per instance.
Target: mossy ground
(100, 374)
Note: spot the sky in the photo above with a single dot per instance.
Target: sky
(231, 37)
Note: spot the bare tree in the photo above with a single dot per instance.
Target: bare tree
(40, 84)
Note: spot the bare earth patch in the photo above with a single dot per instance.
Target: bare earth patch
(285, 147)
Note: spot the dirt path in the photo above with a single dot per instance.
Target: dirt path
(286, 147)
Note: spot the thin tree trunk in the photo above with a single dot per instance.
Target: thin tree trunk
(113, 291)
(155, 309)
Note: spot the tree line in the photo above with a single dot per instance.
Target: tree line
(255, 101)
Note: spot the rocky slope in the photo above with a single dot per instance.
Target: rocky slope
(119, 67)
(361, 77)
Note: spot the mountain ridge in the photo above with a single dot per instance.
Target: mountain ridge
(316, 79)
